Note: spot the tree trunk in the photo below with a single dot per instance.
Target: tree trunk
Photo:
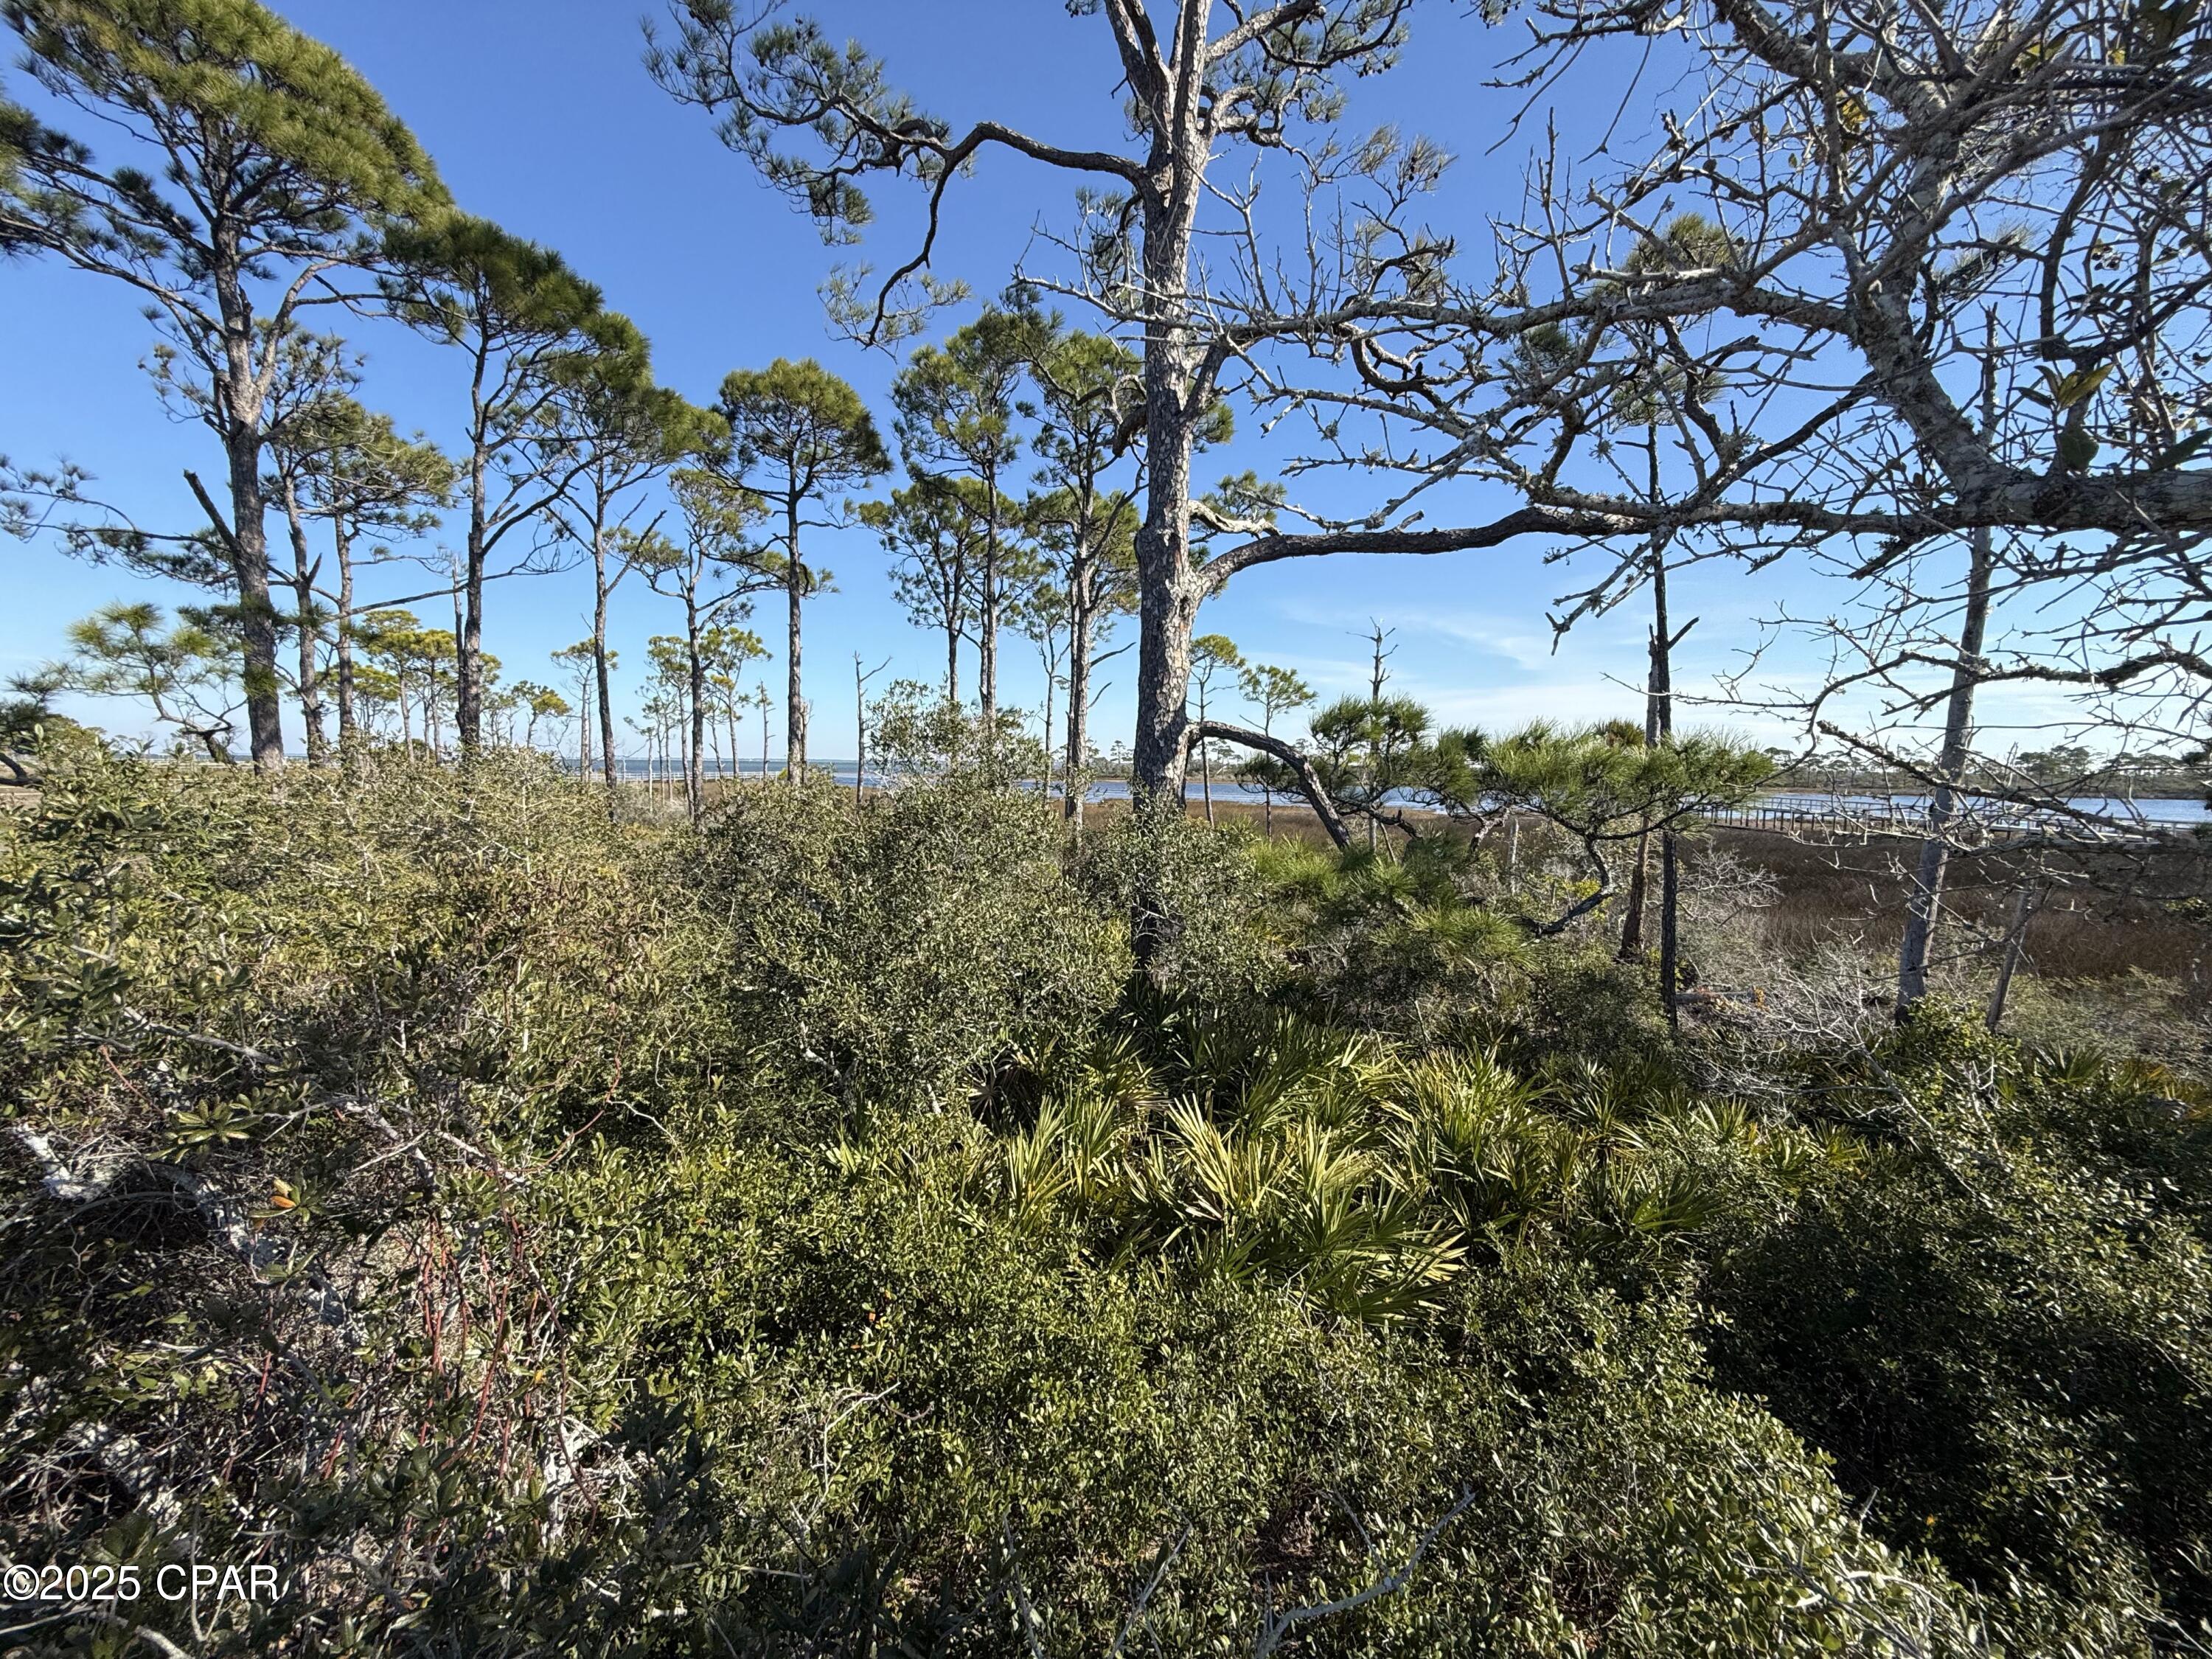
(1309, 779)
(1167, 594)
(1206, 765)
(1660, 717)
(599, 661)
(1925, 903)
(1658, 725)
(1075, 784)
(303, 594)
(1051, 685)
(256, 615)
(1631, 925)
(239, 392)
(1167, 608)
(694, 782)
(348, 720)
(987, 641)
(859, 733)
(2023, 909)
(794, 718)
(468, 626)
(469, 696)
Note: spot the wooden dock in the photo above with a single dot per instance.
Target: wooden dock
(1978, 825)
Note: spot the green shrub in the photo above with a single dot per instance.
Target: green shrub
(934, 1427)
(2001, 1328)
(536, 1234)
(1218, 938)
(902, 949)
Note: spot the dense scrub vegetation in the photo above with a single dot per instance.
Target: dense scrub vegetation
(816, 1232)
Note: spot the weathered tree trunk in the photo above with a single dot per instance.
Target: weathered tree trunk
(1924, 903)
(1206, 765)
(1168, 593)
(859, 733)
(239, 389)
(256, 614)
(468, 695)
(1309, 779)
(1631, 924)
(1658, 725)
(303, 594)
(1631, 928)
(1660, 717)
(986, 631)
(1167, 608)
(1670, 941)
(468, 623)
(1044, 783)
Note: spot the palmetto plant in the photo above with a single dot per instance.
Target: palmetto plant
(1366, 1177)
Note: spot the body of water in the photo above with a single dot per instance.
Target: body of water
(2148, 810)
(2145, 809)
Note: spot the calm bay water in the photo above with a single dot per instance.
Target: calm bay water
(2147, 809)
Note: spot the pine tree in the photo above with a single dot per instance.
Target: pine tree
(271, 155)
(958, 409)
(713, 572)
(625, 431)
(1088, 386)
(925, 530)
(797, 433)
(360, 477)
(529, 330)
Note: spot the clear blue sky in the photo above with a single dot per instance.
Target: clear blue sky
(540, 117)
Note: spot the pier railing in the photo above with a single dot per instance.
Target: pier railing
(1867, 821)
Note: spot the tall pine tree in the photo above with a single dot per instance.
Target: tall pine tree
(797, 433)
(269, 157)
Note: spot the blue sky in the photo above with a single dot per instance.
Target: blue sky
(540, 117)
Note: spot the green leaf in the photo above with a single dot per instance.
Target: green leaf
(2186, 450)
(2066, 391)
